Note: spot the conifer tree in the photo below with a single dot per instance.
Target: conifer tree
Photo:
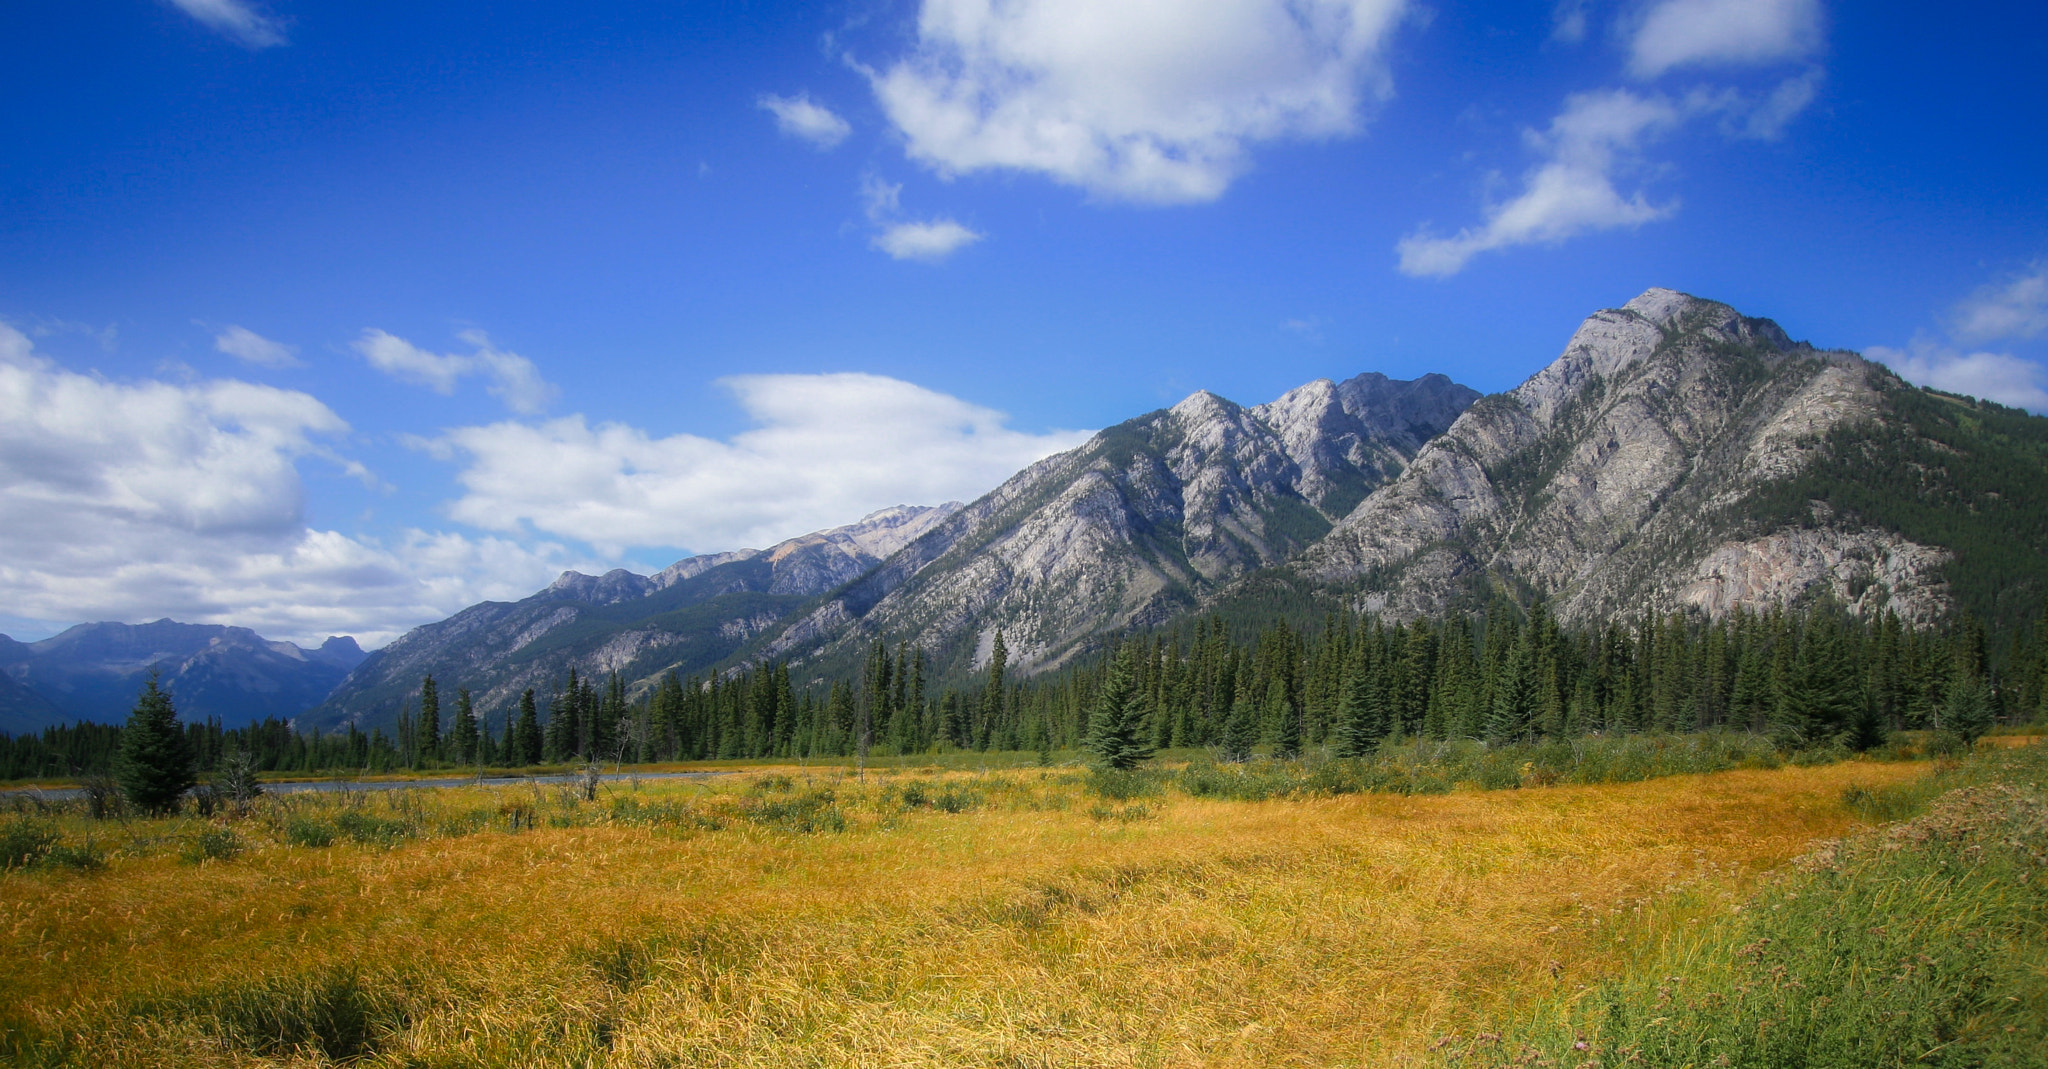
(465, 735)
(526, 740)
(430, 720)
(1286, 721)
(1241, 731)
(1968, 713)
(155, 764)
(1117, 722)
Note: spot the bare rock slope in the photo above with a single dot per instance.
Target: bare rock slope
(1611, 483)
(1138, 524)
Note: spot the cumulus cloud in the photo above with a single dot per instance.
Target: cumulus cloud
(2013, 309)
(800, 118)
(930, 241)
(824, 450)
(1148, 101)
(134, 501)
(1684, 33)
(237, 21)
(512, 378)
(1571, 191)
(247, 345)
(1999, 377)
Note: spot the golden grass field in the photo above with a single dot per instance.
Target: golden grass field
(1038, 926)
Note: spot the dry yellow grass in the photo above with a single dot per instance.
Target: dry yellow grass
(1345, 931)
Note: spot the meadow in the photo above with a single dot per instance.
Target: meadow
(1281, 913)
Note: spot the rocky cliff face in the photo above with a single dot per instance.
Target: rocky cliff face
(686, 617)
(1611, 483)
(1135, 526)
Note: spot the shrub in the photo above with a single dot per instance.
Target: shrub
(373, 831)
(806, 813)
(213, 844)
(23, 842)
(309, 831)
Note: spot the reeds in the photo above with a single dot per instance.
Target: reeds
(915, 918)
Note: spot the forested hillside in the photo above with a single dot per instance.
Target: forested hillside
(1814, 679)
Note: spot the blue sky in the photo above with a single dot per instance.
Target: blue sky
(334, 318)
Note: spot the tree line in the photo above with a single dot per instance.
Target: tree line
(1806, 678)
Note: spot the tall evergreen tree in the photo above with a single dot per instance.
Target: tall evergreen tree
(465, 735)
(430, 720)
(155, 766)
(1116, 725)
(1286, 721)
(526, 740)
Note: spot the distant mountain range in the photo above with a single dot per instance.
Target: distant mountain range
(94, 671)
(1677, 457)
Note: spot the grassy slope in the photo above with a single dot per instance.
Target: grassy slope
(1037, 924)
(1923, 943)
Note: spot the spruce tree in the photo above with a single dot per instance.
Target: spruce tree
(430, 720)
(155, 764)
(465, 735)
(1241, 731)
(1968, 713)
(526, 741)
(1286, 721)
(1117, 724)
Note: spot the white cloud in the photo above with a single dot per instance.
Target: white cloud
(930, 241)
(1767, 119)
(1681, 33)
(825, 449)
(800, 118)
(1570, 192)
(1998, 377)
(235, 20)
(245, 344)
(2015, 309)
(513, 378)
(135, 501)
(1147, 100)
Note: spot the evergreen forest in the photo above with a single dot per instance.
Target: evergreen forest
(1817, 678)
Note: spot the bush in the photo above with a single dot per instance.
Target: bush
(213, 844)
(24, 842)
(806, 813)
(309, 831)
(373, 831)
(1125, 784)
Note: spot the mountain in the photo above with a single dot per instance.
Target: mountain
(93, 672)
(687, 617)
(1682, 456)
(1139, 524)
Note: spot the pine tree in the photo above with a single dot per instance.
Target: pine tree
(465, 736)
(155, 764)
(1968, 713)
(1240, 731)
(430, 720)
(1286, 721)
(526, 740)
(1117, 722)
(1358, 714)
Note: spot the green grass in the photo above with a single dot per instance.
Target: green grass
(1923, 942)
